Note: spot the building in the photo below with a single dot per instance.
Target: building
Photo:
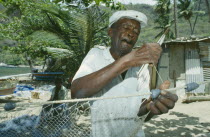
(184, 61)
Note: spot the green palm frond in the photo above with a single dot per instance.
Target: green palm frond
(163, 8)
(71, 28)
(59, 53)
(80, 28)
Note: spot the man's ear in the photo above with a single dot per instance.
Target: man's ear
(110, 32)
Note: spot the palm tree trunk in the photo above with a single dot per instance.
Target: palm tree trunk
(208, 8)
(190, 26)
(29, 62)
(196, 17)
(175, 19)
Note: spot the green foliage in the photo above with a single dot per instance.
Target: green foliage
(86, 3)
(187, 10)
(163, 20)
(148, 33)
(12, 59)
(46, 24)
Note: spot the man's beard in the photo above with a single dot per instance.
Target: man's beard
(123, 52)
(125, 48)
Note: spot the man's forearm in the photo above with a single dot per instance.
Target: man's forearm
(91, 84)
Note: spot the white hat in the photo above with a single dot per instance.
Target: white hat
(130, 14)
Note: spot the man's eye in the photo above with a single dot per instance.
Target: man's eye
(125, 26)
(136, 31)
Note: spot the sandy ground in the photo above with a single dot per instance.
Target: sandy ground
(185, 120)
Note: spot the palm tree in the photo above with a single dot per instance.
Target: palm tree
(65, 27)
(187, 11)
(175, 19)
(86, 29)
(208, 8)
(163, 20)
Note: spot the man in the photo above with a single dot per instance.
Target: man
(106, 68)
(59, 92)
(54, 115)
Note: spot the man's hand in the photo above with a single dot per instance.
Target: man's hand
(161, 105)
(148, 54)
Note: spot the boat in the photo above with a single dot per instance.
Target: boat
(7, 86)
(46, 76)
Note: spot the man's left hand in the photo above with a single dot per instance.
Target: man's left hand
(161, 105)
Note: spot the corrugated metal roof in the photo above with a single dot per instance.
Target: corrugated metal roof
(186, 40)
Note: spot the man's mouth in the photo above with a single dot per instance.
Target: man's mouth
(127, 41)
(126, 46)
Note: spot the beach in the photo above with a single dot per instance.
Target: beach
(185, 120)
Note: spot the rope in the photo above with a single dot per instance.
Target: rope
(78, 100)
(185, 86)
(100, 98)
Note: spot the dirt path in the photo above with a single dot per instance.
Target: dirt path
(185, 120)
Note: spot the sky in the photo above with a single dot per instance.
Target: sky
(151, 2)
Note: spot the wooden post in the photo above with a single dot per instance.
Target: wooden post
(175, 19)
(153, 77)
(174, 76)
(196, 98)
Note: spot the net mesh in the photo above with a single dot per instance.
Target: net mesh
(72, 119)
(51, 120)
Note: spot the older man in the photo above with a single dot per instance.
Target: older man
(106, 68)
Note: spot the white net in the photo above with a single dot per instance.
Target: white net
(50, 120)
(79, 118)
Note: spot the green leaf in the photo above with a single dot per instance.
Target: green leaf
(97, 2)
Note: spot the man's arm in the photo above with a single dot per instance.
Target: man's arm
(91, 84)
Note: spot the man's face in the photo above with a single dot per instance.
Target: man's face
(124, 34)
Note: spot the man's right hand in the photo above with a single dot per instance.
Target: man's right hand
(148, 54)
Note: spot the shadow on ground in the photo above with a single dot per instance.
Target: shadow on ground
(176, 125)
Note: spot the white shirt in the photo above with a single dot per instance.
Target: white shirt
(107, 111)
(98, 58)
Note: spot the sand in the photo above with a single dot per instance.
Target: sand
(185, 120)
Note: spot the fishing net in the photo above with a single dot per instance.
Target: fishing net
(71, 119)
(53, 120)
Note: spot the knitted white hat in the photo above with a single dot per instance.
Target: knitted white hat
(130, 14)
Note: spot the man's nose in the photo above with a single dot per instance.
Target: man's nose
(130, 34)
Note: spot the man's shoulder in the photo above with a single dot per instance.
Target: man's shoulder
(97, 50)
(99, 47)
